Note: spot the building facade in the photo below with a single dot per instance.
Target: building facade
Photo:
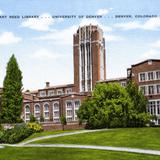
(89, 58)
(146, 76)
(51, 102)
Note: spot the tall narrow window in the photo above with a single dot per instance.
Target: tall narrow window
(158, 107)
(158, 89)
(37, 111)
(150, 75)
(142, 77)
(46, 111)
(56, 112)
(27, 113)
(151, 90)
(157, 74)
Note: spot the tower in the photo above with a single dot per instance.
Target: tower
(89, 57)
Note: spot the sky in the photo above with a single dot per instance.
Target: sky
(44, 46)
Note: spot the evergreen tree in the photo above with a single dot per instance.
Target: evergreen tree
(12, 93)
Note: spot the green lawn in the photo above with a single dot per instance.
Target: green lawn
(147, 138)
(47, 133)
(12, 153)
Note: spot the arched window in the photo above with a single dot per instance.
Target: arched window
(56, 106)
(27, 113)
(46, 111)
(46, 107)
(37, 108)
(56, 112)
(37, 111)
(27, 109)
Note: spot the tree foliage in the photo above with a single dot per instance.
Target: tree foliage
(11, 106)
(111, 106)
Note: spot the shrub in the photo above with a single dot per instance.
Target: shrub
(16, 134)
(32, 118)
(36, 127)
(1, 127)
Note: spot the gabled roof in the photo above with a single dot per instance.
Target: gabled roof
(155, 60)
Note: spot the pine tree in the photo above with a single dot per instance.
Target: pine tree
(12, 93)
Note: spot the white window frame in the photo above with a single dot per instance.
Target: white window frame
(42, 93)
(68, 90)
(59, 90)
(26, 113)
(46, 111)
(50, 92)
(37, 104)
(56, 110)
(146, 76)
(147, 89)
(139, 75)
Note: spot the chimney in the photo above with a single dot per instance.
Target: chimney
(47, 84)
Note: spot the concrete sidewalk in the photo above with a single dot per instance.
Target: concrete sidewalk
(61, 135)
(120, 149)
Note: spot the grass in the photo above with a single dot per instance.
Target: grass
(146, 138)
(47, 133)
(13, 153)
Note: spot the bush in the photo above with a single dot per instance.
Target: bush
(16, 134)
(36, 127)
(1, 127)
(32, 118)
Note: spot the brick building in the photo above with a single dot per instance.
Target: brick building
(89, 68)
(146, 75)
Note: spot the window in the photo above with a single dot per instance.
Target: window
(152, 107)
(56, 120)
(150, 89)
(157, 74)
(46, 115)
(59, 92)
(158, 107)
(56, 106)
(56, 113)
(150, 75)
(46, 107)
(37, 108)
(69, 104)
(42, 93)
(50, 93)
(142, 77)
(37, 111)
(143, 89)
(69, 119)
(27, 109)
(69, 112)
(158, 89)
(68, 90)
(77, 103)
(89, 87)
(46, 111)
(27, 113)
(123, 84)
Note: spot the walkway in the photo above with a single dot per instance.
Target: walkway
(61, 135)
(121, 149)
